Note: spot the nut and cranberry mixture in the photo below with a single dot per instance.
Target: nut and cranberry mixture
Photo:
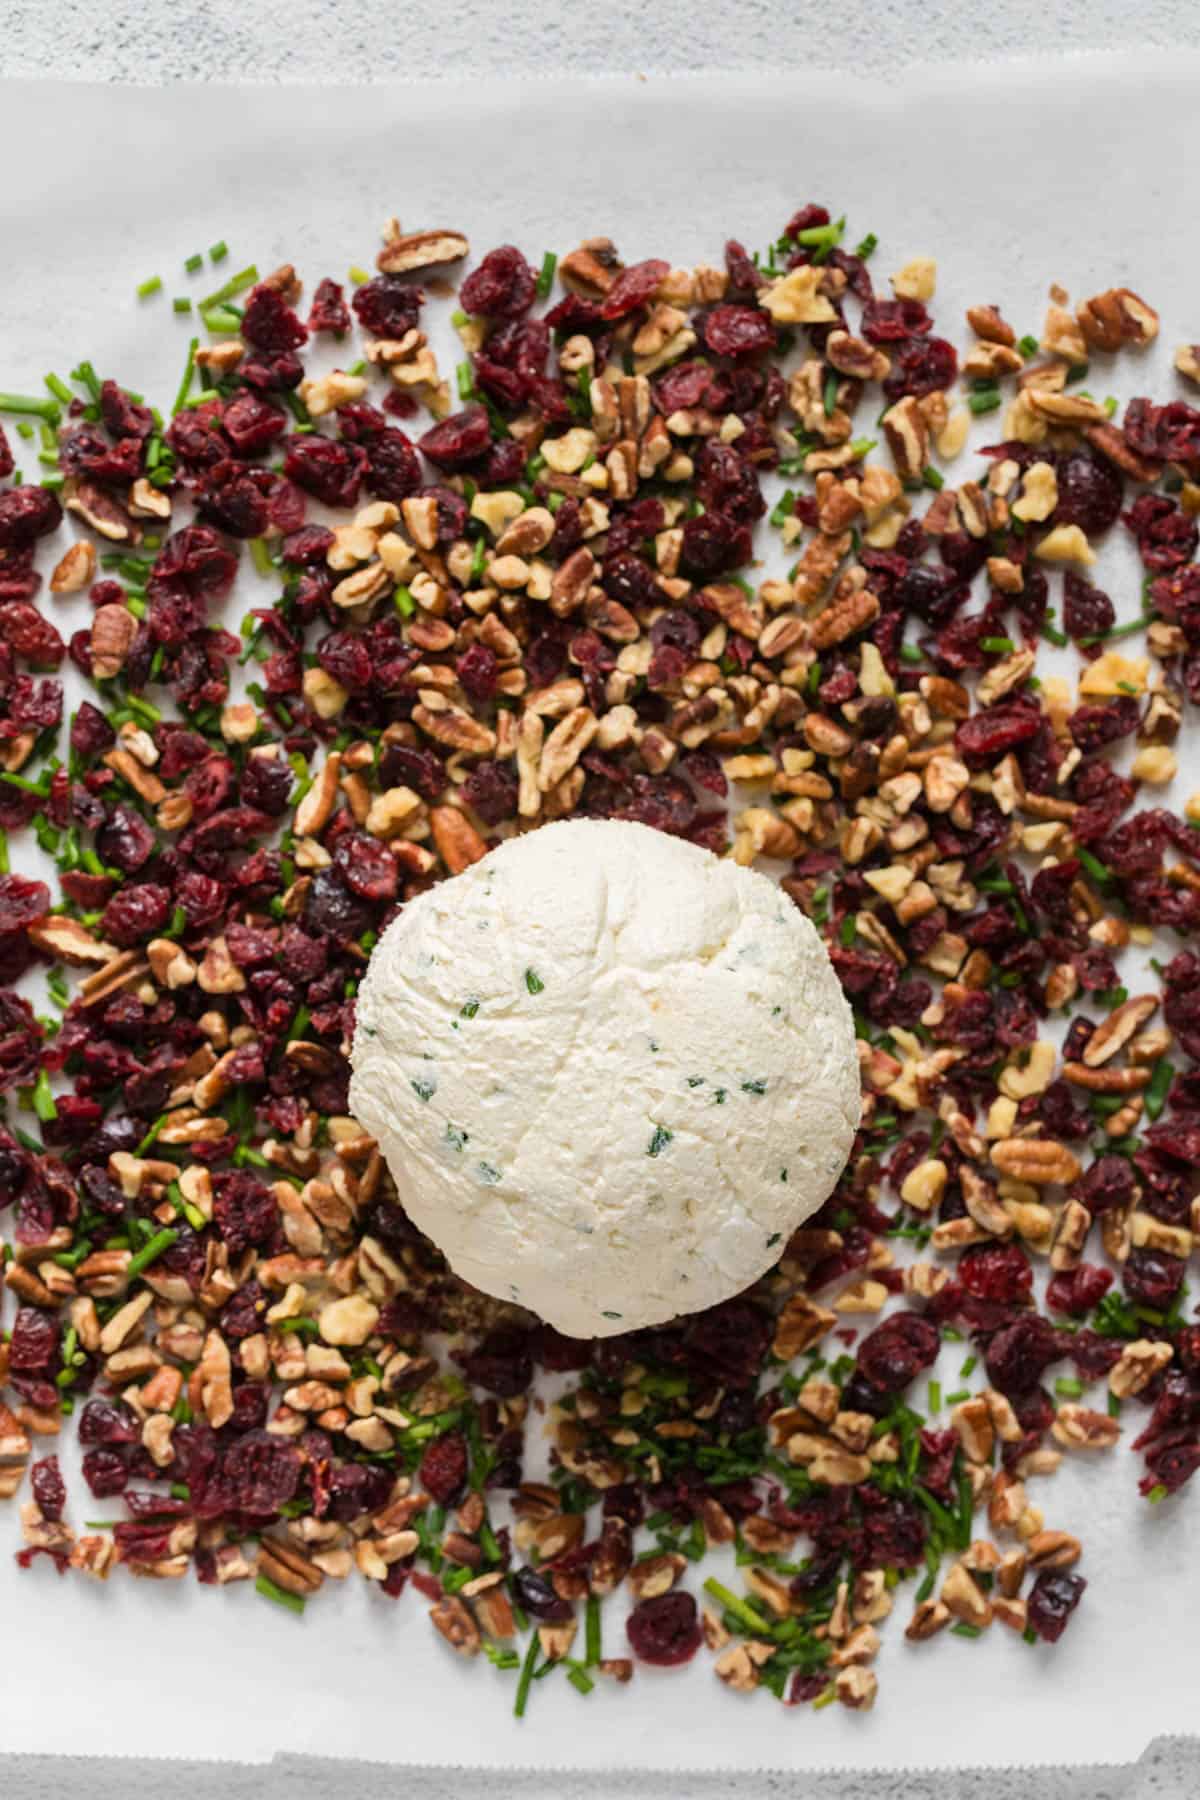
(543, 598)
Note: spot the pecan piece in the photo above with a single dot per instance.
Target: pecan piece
(420, 250)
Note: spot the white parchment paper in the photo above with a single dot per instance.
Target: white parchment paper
(1076, 171)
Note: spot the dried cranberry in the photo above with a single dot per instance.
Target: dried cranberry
(1086, 611)
(49, 1488)
(1017, 1355)
(261, 1474)
(29, 635)
(988, 734)
(921, 366)
(387, 306)
(234, 498)
(393, 466)
(27, 513)
(1094, 726)
(477, 671)
(502, 287)
(252, 425)
(895, 1352)
(894, 321)
(367, 866)
(33, 1346)
(738, 330)
(108, 1422)
(996, 1272)
(105, 1473)
(22, 902)
(20, 1042)
(7, 461)
(1166, 537)
(329, 311)
(1052, 1600)
(665, 1630)
(135, 913)
(245, 1210)
(331, 908)
(491, 789)
(1089, 493)
(443, 1469)
(712, 543)
(269, 323)
(1077, 1290)
(633, 287)
(331, 471)
(1152, 1277)
(459, 440)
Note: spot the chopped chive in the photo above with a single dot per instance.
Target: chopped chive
(1096, 869)
(868, 245)
(534, 982)
(358, 275)
(740, 1609)
(1155, 1095)
(527, 1667)
(579, 1678)
(957, 1396)
(863, 447)
(192, 263)
(152, 285)
(31, 406)
(1068, 1388)
(218, 251)
(1120, 631)
(849, 931)
(185, 385)
(270, 1591)
(822, 237)
(592, 1631)
(659, 1141)
(43, 1099)
(1157, 1493)
(1028, 345)
(830, 396)
(237, 284)
(987, 402)
(911, 653)
(59, 388)
(260, 552)
(545, 280)
(181, 304)
(968, 1367)
(404, 603)
(933, 479)
(935, 1396)
(219, 319)
(962, 1629)
(997, 646)
(1114, 1406)
(1050, 630)
(150, 1252)
(4, 862)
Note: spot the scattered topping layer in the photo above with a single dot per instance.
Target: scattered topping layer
(546, 606)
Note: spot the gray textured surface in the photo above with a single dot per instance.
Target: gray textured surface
(1170, 1770)
(374, 40)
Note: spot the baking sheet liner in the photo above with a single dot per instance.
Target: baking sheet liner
(1012, 177)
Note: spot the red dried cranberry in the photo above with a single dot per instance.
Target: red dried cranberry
(443, 1469)
(245, 1210)
(135, 913)
(1086, 611)
(1089, 493)
(477, 671)
(1052, 1600)
(893, 321)
(367, 866)
(235, 498)
(27, 513)
(29, 635)
(252, 425)
(1094, 726)
(921, 366)
(345, 656)
(7, 462)
(331, 471)
(1017, 1355)
(108, 1422)
(989, 734)
(105, 1473)
(894, 1353)
(536, 1595)
(331, 908)
(393, 466)
(459, 440)
(713, 543)
(996, 1272)
(196, 558)
(261, 1474)
(633, 287)
(269, 323)
(387, 306)
(403, 765)
(665, 1630)
(20, 1042)
(49, 1488)
(744, 275)
(490, 789)
(1077, 1290)
(1166, 537)
(22, 902)
(738, 330)
(329, 311)
(1152, 1277)
(33, 1346)
(502, 287)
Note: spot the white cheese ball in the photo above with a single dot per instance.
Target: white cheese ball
(610, 1074)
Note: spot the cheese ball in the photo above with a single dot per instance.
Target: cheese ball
(610, 1074)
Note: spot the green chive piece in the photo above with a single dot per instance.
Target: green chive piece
(933, 479)
(4, 862)
(997, 646)
(869, 244)
(31, 406)
(1114, 1406)
(911, 653)
(218, 251)
(358, 275)
(237, 284)
(260, 552)
(1157, 1494)
(592, 1631)
(830, 395)
(1067, 1388)
(545, 280)
(43, 1099)
(1155, 1096)
(153, 285)
(185, 386)
(59, 389)
(1028, 345)
(269, 1590)
(935, 1396)
(962, 1629)
(527, 1667)
(1096, 869)
(659, 1141)
(404, 603)
(192, 263)
(984, 403)
(534, 982)
(218, 319)
(1051, 632)
(181, 304)
(1120, 631)
(741, 1609)
(150, 1252)
(579, 1678)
